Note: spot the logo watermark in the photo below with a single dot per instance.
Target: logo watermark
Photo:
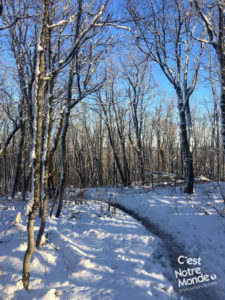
(191, 277)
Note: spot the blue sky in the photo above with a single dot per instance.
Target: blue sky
(202, 91)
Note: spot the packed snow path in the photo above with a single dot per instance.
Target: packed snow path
(87, 254)
(170, 249)
(191, 226)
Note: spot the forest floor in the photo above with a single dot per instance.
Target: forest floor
(160, 244)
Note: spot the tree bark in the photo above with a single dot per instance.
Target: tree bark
(36, 151)
(45, 162)
(187, 155)
(18, 168)
(61, 187)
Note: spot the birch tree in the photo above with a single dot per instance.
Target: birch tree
(34, 203)
(83, 59)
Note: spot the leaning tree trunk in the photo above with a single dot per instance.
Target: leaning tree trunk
(34, 203)
(61, 187)
(62, 181)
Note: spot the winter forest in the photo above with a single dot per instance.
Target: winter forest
(112, 149)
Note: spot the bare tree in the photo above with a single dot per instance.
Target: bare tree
(114, 124)
(23, 48)
(212, 14)
(164, 32)
(36, 142)
(215, 132)
(88, 36)
(137, 77)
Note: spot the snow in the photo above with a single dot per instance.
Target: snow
(62, 22)
(92, 253)
(183, 218)
(40, 48)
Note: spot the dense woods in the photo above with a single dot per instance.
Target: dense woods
(92, 99)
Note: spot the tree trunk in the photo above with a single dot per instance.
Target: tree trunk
(141, 164)
(187, 155)
(18, 169)
(30, 247)
(36, 148)
(61, 187)
(222, 102)
(45, 162)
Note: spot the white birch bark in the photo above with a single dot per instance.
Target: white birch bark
(34, 202)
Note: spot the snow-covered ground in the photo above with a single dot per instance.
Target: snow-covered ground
(90, 254)
(192, 226)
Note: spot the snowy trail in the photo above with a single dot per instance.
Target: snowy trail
(180, 222)
(94, 256)
(170, 249)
